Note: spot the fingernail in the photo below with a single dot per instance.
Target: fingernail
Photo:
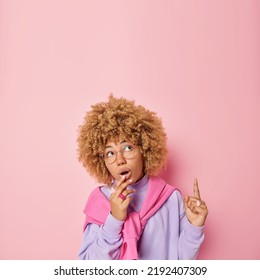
(130, 180)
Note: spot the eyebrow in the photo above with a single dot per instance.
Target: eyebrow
(123, 141)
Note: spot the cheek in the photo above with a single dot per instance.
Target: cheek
(109, 168)
(139, 165)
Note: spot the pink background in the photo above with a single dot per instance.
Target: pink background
(196, 63)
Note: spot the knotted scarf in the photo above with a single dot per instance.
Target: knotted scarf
(158, 192)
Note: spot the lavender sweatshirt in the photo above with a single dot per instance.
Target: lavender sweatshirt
(167, 235)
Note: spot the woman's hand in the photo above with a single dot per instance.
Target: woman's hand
(120, 199)
(196, 209)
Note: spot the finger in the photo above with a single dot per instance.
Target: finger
(127, 201)
(112, 190)
(186, 200)
(123, 187)
(127, 192)
(118, 184)
(192, 201)
(200, 209)
(203, 206)
(196, 202)
(196, 189)
(190, 204)
(195, 209)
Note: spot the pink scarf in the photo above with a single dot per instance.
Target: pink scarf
(158, 192)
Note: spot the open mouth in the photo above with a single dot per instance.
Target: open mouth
(124, 173)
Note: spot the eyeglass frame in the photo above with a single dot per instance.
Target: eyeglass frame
(134, 147)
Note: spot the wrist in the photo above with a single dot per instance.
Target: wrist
(119, 216)
(112, 226)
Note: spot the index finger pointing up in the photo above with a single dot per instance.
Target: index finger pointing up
(196, 189)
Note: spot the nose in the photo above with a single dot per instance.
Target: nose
(120, 158)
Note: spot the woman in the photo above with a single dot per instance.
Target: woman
(135, 214)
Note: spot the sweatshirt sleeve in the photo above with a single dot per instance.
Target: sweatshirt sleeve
(191, 237)
(102, 242)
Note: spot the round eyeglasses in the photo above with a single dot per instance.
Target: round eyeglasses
(127, 151)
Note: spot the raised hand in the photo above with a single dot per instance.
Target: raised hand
(120, 199)
(196, 209)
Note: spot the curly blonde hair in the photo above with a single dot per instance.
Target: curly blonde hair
(120, 118)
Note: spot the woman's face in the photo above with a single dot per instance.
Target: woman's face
(124, 158)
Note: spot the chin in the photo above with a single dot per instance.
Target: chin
(139, 178)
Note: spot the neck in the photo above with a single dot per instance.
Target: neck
(140, 183)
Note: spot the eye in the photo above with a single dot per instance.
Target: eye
(109, 154)
(128, 148)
